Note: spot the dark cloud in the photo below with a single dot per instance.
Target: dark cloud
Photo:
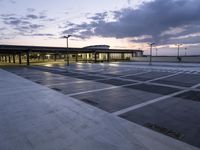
(27, 25)
(35, 26)
(32, 16)
(42, 34)
(152, 19)
(42, 17)
(99, 16)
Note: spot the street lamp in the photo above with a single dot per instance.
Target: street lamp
(178, 53)
(156, 51)
(185, 51)
(67, 37)
(150, 60)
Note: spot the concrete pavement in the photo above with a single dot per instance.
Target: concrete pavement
(34, 117)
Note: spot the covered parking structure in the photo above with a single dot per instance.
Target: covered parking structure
(21, 53)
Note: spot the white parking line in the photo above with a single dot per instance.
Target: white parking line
(139, 73)
(97, 90)
(195, 86)
(81, 81)
(147, 103)
(66, 83)
(163, 77)
(152, 101)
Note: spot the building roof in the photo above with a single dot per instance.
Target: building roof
(24, 48)
(97, 47)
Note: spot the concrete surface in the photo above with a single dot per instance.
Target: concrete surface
(189, 59)
(179, 114)
(34, 117)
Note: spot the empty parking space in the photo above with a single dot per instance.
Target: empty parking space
(154, 89)
(54, 81)
(116, 82)
(148, 76)
(185, 80)
(163, 100)
(122, 73)
(116, 99)
(175, 117)
(190, 95)
(72, 88)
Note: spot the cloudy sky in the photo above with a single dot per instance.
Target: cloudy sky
(119, 23)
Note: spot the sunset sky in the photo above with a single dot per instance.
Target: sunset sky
(119, 23)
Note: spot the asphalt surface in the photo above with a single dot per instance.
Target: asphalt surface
(166, 101)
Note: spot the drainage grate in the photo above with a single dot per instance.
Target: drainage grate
(89, 101)
(164, 130)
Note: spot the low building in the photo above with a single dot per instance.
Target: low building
(94, 53)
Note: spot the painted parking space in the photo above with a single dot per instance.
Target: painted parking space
(122, 73)
(190, 95)
(116, 82)
(150, 97)
(185, 80)
(54, 81)
(148, 76)
(113, 100)
(72, 88)
(176, 117)
(154, 89)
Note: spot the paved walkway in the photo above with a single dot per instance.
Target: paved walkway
(34, 117)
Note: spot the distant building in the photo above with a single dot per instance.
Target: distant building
(104, 47)
(93, 53)
(104, 56)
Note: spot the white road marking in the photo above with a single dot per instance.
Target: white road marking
(134, 107)
(102, 89)
(66, 83)
(81, 81)
(139, 73)
(163, 77)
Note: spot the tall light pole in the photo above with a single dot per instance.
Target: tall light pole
(67, 37)
(151, 46)
(178, 53)
(156, 51)
(185, 51)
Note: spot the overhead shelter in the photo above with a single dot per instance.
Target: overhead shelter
(11, 51)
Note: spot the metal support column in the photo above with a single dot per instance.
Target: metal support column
(13, 58)
(67, 57)
(123, 56)
(43, 57)
(5, 58)
(95, 57)
(55, 57)
(76, 57)
(20, 58)
(27, 58)
(9, 59)
(108, 57)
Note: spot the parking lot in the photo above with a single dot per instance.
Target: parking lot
(164, 100)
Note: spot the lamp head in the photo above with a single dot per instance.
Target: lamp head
(151, 43)
(67, 36)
